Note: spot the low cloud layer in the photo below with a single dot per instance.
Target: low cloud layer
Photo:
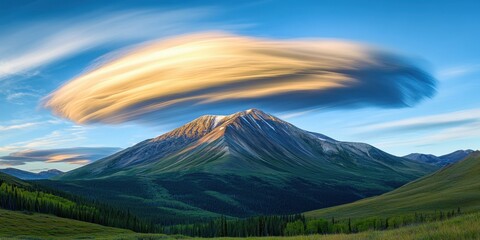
(187, 76)
(80, 155)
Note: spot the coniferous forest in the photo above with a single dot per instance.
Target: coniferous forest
(293, 225)
(22, 196)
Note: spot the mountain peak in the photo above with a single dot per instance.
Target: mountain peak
(258, 114)
(207, 123)
(253, 111)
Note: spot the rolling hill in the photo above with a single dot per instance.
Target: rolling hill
(26, 175)
(244, 164)
(452, 187)
(27, 225)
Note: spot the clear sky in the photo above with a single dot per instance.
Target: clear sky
(46, 44)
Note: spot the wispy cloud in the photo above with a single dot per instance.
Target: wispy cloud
(186, 76)
(20, 91)
(24, 48)
(66, 136)
(458, 71)
(428, 129)
(78, 155)
(20, 125)
(444, 120)
(18, 95)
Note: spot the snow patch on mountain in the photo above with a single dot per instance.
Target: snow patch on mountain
(217, 119)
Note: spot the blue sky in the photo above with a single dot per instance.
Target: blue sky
(45, 44)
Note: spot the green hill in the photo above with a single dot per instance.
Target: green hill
(454, 186)
(14, 224)
(19, 195)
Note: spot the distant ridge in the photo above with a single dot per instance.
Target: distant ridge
(26, 175)
(440, 161)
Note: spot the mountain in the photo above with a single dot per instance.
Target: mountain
(440, 161)
(243, 164)
(456, 156)
(452, 187)
(25, 175)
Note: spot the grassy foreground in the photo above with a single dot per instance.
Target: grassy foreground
(17, 225)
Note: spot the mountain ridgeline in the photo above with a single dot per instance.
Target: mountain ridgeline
(26, 175)
(440, 161)
(244, 164)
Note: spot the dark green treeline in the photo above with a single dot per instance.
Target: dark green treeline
(293, 225)
(30, 197)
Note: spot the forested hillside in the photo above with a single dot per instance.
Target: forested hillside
(16, 194)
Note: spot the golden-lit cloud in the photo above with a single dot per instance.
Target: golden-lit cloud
(78, 155)
(63, 157)
(190, 75)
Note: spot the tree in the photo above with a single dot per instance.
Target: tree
(317, 226)
(295, 228)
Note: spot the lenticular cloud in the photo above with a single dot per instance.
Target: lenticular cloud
(186, 76)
